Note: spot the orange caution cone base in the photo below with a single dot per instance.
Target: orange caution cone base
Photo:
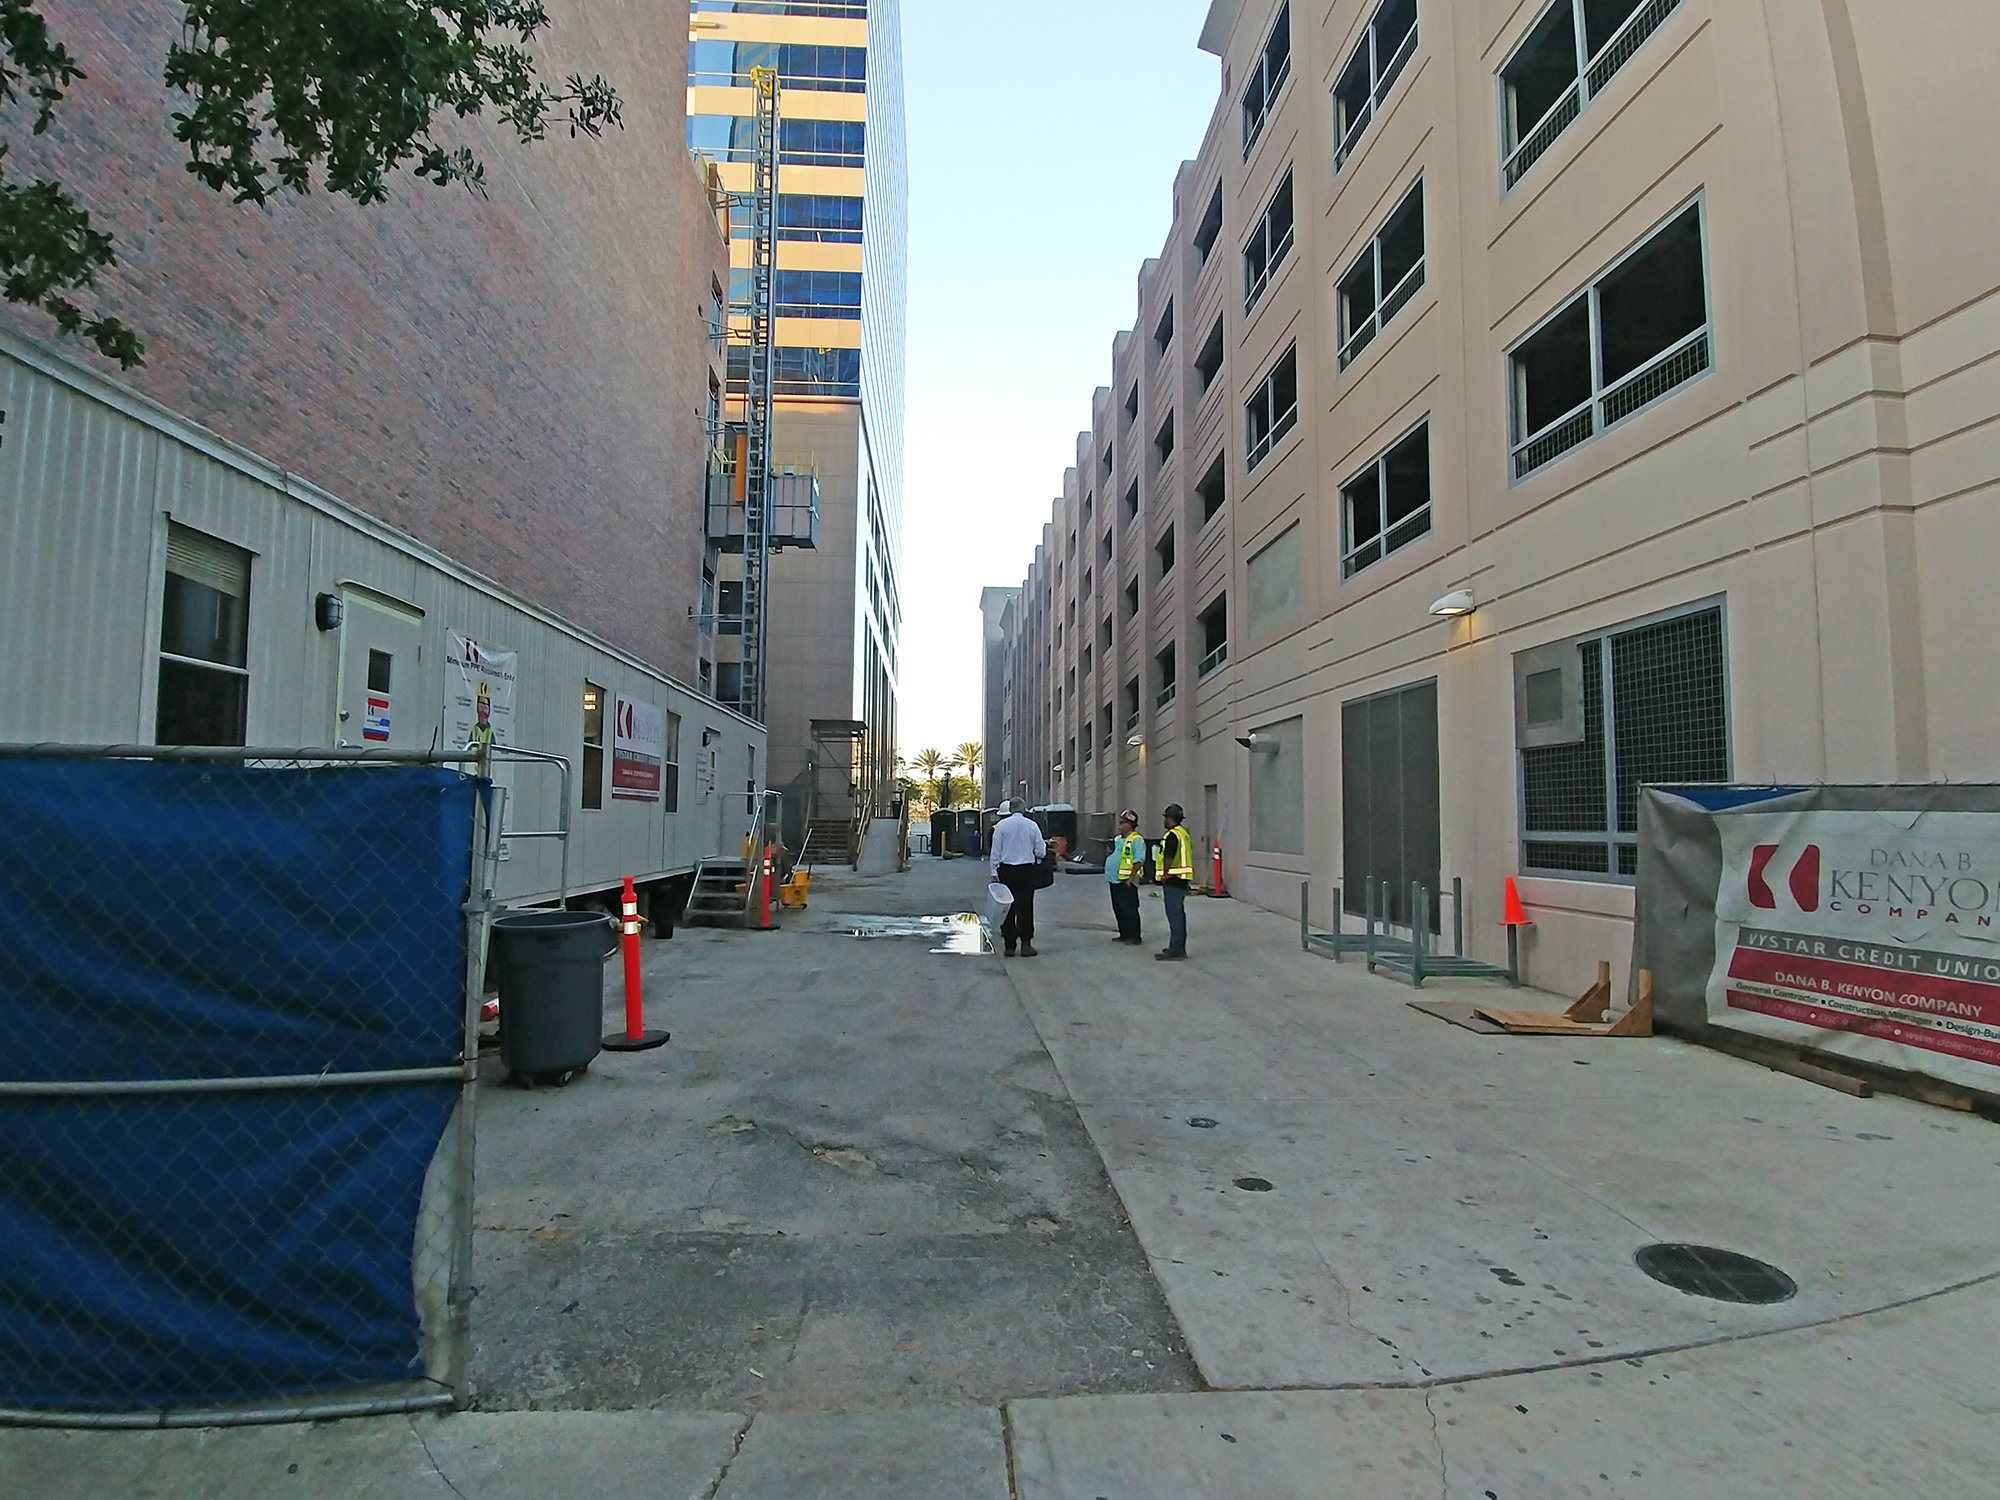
(635, 1037)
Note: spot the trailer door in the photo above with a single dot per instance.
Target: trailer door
(380, 703)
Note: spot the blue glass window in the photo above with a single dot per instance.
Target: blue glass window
(799, 66)
(821, 143)
(819, 294)
(818, 217)
(724, 137)
(802, 372)
(849, 9)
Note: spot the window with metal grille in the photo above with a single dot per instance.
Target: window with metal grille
(1163, 674)
(1273, 407)
(1213, 623)
(1270, 242)
(1388, 274)
(1636, 333)
(1572, 51)
(1658, 716)
(1373, 70)
(1268, 73)
(1387, 505)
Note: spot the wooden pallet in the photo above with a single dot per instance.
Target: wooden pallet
(1586, 1017)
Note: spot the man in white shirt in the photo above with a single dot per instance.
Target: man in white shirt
(1016, 856)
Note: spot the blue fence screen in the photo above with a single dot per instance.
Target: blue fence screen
(169, 922)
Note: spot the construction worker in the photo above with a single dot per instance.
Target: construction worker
(1126, 862)
(1176, 866)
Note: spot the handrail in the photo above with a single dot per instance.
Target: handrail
(561, 831)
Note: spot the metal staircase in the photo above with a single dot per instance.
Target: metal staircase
(721, 894)
(829, 841)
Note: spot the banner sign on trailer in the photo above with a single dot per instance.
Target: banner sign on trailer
(638, 750)
(1872, 934)
(479, 706)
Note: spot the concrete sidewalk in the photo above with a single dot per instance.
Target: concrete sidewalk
(1436, 1295)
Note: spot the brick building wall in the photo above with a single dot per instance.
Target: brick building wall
(519, 378)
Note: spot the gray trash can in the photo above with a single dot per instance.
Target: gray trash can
(551, 971)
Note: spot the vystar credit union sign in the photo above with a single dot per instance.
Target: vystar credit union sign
(1875, 935)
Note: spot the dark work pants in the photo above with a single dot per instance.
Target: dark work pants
(1176, 893)
(1019, 926)
(1125, 907)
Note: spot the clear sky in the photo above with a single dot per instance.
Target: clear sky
(1044, 139)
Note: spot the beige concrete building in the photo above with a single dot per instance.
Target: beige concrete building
(1662, 332)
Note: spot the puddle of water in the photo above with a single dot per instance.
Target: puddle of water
(958, 932)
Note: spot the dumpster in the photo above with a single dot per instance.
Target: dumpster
(968, 832)
(551, 971)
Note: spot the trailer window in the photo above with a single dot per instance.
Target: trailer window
(593, 746)
(670, 772)
(204, 685)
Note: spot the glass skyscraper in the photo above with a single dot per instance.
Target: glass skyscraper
(842, 244)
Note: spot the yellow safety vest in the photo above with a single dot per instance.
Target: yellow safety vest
(1177, 855)
(1131, 855)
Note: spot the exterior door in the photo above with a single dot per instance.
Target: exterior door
(1389, 796)
(380, 703)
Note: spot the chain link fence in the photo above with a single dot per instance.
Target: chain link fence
(240, 991)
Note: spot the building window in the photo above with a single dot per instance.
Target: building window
(1210, 228)
(1214, 625)
(1109, 725)
(1636, 333)
(1086, 661)
(1104, 635)
(729, 607)
(814, 218)
(729, 682)
(1388, 504)
(818, 294)
(1378, 61)
(1131, 408)
(1267, 76)
(1163, 332)
(1270, 243)
(670, 770)
(1086, 582)
(1086, 505)
(1104, 548)
(1163, 441)
(1163, 678)
(820, 143)
(840, 70)
(1131, 598)
(1208, 363)
(204, 683)
(1591, 738)
(1132, 706)
(1163, 553)
(718, 331)
(593, 746)
(1107, 448)
(1565, 61)
(1388, 274)
(1274, 407)
(1132, 502)
(1208, 491)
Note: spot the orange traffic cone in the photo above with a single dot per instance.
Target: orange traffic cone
(1515, 914)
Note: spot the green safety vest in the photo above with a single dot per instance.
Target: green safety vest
(1177, 855)
(1131, 855)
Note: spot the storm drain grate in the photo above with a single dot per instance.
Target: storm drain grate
(1723, 1275)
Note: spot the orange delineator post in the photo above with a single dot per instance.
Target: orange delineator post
(1514, 916)
(635, 1037)
(1216, 889)
(764, 922)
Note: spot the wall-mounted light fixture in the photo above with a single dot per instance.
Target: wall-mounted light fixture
(1453, 605)
(1259, 744)
(1136, 741)
(328, 610)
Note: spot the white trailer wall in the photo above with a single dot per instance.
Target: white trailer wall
(90, 476)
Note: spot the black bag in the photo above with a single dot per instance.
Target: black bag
(1045, 872)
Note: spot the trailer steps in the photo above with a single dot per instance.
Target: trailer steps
(1411, 958)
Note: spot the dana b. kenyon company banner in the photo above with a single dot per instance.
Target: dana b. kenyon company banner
(1872, 934)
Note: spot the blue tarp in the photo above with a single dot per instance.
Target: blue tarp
(1729, 798)
(166, 921)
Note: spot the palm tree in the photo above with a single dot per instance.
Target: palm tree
(936, 767)
(970, 754)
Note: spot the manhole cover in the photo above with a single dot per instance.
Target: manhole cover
(1723, 1275)
(1201, 1122)
(1253, 1184)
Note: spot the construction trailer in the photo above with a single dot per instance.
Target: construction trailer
(161, 585)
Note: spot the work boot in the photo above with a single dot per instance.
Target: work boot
(1167, 956)
(1027, 949)
(1009, 950)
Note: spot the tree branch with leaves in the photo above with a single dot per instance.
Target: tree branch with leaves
(284, 93)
